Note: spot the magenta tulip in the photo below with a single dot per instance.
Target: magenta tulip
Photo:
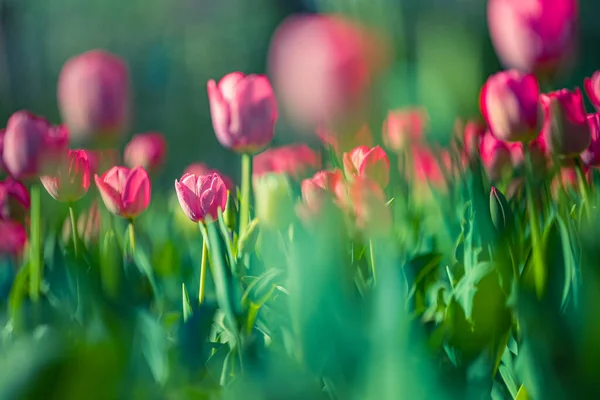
(509, 104)
(371, 163)
(591, 155)
(125, 192)
(93, 96)
(13, 237)
(147, 150)
(14, 200)
(536, 36)
(244, 111)
(592, 89)
(71, 180)
(565, 126)
(201, 197)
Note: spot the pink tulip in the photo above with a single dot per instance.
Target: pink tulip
(495, 156)
(125, 192)
(322, 186)
(295, 160)
(71, 180)
(201, 197)
(322, 66)
(372, 163)
(404, 126)
(565, 126)
(534, 35)
(591, 155)
(342, 142)
(427, 168)
(473, 133)
(200, 169)
(147, 150)
(93, 96)
(592, 89)
(13, 237)
(244, 111)
(509, 104)
(14, 200)
(31, 144)
(372, 215)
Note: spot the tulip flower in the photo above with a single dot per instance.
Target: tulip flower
(592, 89)
(200, 169)
(13, 237)
(14, 200)
(509, 104)
(364, 162)
(71, 180)
(372, 214)
(244, 111)
(591, 155)
(296, 161)
(31, 144)
(274, 205)
(147, 150)
(201, 197)
(125, 192)
(495, 156)
(323, 185)
(565, 126)
(534, 36)
(93, 96)
(404, 126)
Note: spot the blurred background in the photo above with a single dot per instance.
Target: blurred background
(442, 55)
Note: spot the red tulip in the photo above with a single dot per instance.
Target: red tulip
(244, 111)
(372, 214)
(592, 89)
(565, 126)
(93, 96)
(201, 197)
(125, 192)
(372, 163)
(147, 150)
(71, 180)
(322, 186)
(13, 237)
(345, 141)
(14, 200)
(509, 104)
(495, 156)
(591, 155)
(404, 126)
(200, 169)
(31, 144)
(534, 35)
(295, 160)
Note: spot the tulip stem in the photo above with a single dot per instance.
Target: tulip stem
(203, 262)
(131, 237)
(539, 269)
(372, 259)
(35, 247)
(246, 199)
(74, 232)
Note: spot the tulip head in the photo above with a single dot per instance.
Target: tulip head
(404, 126)
(201, 197)
(200, 169)
(372, 163)
(147, 150)
(244, 111)
(125, 192)
(71, 179)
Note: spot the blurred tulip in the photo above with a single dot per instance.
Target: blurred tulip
(274, 205)
(14, 200)
(372, 214)
(591, 155)
(147, 150)
(537, 149)
(427, 168)
(322, 186)
(322, 66)
(592, 89)
(13, 237)
(93, 96)
(565, 126)
(509, 104)
(404, 126)
(201, 197)
(495, 157)
(342, 142)
(537, 36)
(295, 160)
(473, 133)
(125, 192)
(244, 111)
(31, 144)
(71, 180)
(200, 169)
(372, 163)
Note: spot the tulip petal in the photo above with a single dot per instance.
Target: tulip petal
(136, 194)
(220, 114)
(187, 200)
(110, 197)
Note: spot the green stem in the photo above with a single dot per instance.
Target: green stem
(372, 259)
(35, 255)
(246, 199)
(74, 232)
(203, 263)
(131, 237)
(536, 238)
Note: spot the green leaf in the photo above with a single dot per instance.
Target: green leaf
(522, 394)
(186, 306)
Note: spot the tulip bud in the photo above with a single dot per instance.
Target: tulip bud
(125, 192)
(368, 163)
(565, 126)
(591, 155)
(294, 160)
(592, 89)
(495, 157)
(403, 127)
(244, 111)
(500, 211)
(201, 197)
(274, 205)
(71, 180)
(14, 200)
(13, 237)
(147, 150)
(93, 96)
(534, 36)
(509, 104)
